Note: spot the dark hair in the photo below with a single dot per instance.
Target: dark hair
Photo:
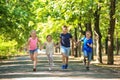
(64, 26)
(48, 36)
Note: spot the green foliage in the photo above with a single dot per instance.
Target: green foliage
(19, 17)
(7, 48)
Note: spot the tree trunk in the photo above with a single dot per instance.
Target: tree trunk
(98, 35)
(106, 45)
(76, 48)
(82, 32)
(117, 46)
(111, 33)
(72, 48)
(88, 26)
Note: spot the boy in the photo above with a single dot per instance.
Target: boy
(87, 48)
(65, 38)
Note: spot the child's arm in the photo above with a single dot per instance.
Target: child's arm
(81, 40)
(78, 42)
(39, 42)
(90, 45)
(43, 45)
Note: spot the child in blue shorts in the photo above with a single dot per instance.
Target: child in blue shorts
(87, 48)
(65, 38)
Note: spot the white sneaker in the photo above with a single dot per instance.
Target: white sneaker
(50, 69)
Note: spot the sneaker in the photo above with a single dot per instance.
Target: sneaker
(63, 66)
(50, 69)
(66, 66)
(87, 68)
(34, 69)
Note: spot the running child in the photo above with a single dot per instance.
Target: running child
(49, 44)
(32, 46)
(65, 38)
(87, 48)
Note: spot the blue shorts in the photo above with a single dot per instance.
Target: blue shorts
(88, 55)
(65, 50)
(33, 51)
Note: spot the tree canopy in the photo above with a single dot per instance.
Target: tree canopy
(19, 17)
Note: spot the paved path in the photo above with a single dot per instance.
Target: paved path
(20, 68)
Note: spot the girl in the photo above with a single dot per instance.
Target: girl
(32, 47)
(87, 48)
(49, 50)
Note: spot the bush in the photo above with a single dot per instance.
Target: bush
(7, 49)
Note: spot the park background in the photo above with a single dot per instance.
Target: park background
(101, 17)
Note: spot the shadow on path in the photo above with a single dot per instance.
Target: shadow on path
(21, 68)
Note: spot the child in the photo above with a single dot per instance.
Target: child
(65, 38)
(49, 50)
(87, 48)
(32, 47)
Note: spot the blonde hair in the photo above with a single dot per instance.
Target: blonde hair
(33, 31)
(88, 32)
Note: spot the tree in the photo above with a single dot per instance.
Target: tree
(111, 32)
(97, 33)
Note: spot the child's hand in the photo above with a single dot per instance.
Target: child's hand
(88, 44)
(27, 51)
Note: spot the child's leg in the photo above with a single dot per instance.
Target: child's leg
(51, 59)
(66, 59)
(35, 60)
(51, 62)
(31, 53)
(89, 59)
(63, 51)
(85, 56)
(31, 56)
(63, 58)
(67, 55)
(48, 55)
(84, 61)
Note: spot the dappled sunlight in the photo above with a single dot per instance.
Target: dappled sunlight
(49, 75)
(14, 65)
(21, 69)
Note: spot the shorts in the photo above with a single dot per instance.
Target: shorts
(33, 51)
(88, 55)
(65, 50)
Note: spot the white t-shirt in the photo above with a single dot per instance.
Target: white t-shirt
(49, 47)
